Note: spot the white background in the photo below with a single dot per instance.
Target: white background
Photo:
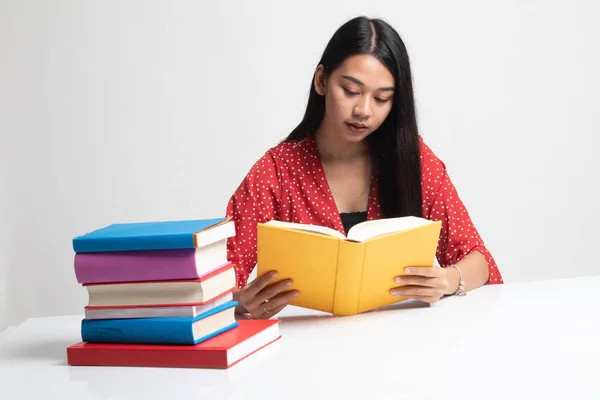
(120, 111)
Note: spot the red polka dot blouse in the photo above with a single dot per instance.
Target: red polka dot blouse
(288, 183)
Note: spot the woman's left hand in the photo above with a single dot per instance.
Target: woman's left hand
(428, 284)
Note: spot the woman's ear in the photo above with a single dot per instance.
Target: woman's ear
(320, 80)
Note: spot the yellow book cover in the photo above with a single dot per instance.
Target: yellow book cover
(346, 275)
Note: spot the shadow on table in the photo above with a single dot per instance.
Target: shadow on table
(300, 315)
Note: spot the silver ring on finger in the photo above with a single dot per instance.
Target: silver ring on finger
(265, 308)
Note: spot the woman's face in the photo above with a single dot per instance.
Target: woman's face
(358, 97)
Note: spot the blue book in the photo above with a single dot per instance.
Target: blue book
(160, 235)
(161, 331)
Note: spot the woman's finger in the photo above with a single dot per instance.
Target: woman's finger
(274, 311)
(416, 280)
(249, 292)
(422, 271)
(412, 290)
(426, 299)
(279, 301)
(270, 291)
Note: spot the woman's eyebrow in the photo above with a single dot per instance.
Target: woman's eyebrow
(358, 82)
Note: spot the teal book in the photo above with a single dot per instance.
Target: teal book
(158, 235)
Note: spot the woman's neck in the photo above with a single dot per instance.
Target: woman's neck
(332, 150)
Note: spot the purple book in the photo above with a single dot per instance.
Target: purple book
(149, 265)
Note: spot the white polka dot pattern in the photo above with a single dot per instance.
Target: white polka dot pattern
(288, 184)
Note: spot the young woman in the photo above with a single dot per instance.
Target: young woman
(357, 155)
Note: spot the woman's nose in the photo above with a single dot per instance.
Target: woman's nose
(362, 109)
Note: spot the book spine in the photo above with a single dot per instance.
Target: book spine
(133, 243)
(146, 357)
(131, 266)
(348, 278)
(164, 311)
(217, 332)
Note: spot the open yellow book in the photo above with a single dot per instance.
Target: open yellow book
(346, 275)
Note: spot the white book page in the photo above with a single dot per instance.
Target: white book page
(215, 234)
(370, 229)
(308, 228)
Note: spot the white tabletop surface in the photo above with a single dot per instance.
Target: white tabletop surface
(518, 341)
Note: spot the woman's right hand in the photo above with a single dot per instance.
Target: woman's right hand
(263, 300)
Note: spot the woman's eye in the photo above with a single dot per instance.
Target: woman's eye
(379, 100)
(349, 92)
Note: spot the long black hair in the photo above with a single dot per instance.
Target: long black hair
(394, 146)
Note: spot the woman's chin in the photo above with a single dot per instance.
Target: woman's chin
(354, 137)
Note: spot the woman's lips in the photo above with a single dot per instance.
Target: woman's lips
(357, 128)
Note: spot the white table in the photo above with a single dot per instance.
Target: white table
(521, 340)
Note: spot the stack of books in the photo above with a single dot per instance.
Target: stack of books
(160, 294)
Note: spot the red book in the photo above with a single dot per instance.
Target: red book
(219, 352)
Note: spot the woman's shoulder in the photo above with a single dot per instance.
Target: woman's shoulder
(283, 158)
(291, 148)
(290, 152)
(429, 159)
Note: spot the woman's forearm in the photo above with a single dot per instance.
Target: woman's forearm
(475, 273)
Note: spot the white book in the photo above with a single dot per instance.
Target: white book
(156, 312)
